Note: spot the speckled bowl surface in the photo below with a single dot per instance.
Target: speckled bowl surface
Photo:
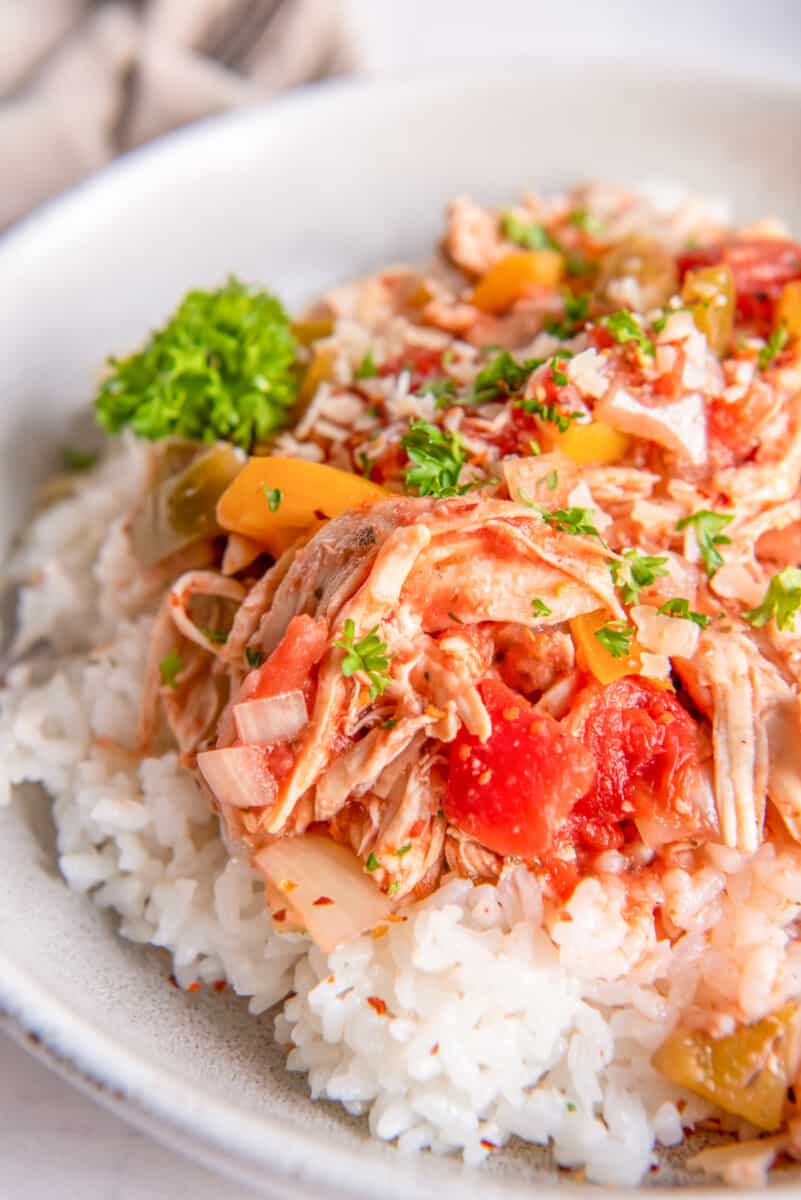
(308, 191)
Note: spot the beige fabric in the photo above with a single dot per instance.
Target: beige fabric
(81, 82)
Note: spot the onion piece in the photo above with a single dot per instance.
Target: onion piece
(679, 425)
(676, 637)
(271, 719)
(323, 885)
(238, 776)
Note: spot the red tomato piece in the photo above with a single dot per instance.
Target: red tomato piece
(760, 266)
(290, 666)
(423, 365)
(514, 791)
(645, 746)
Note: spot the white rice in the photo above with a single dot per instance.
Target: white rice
(464, 1025)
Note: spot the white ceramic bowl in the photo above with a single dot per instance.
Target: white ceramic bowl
(333, 181)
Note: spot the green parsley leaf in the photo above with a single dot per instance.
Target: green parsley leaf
(583, 219)
(539, 608)
(773, 347)
(437, 457)
(390, 723)
(534, 447)
(78, 461)
(551, 480)
(170, 668)
(576, 312)
(708, 526)
(221, 369)
(443, 390)
(624, 327)
(531, 235)
(559, 376)
(372, 863)
(366, 368)
(570, 520)
(369, 654)
(273, 497)
(218, 636)
(393, 887)
(637, 572)
(254, 657)
(501, 378)
(403, 850)
(577, 266)
(366, 464)
(616, 638)
(680, 607)
(781, 601)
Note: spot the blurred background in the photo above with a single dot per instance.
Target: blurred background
(83, 81)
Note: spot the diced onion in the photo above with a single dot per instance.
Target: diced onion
(238, 776)
(323, 886)
(272, 719)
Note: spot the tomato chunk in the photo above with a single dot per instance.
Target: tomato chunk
(514, 791)
(646, 750)
(760, 267)
(289, 667)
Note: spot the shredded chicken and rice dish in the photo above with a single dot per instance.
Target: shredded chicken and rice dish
(429, 663)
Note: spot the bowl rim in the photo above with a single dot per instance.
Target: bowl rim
(176, 1113)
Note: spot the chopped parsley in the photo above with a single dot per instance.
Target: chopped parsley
(534, 447)
(531, 235)
(539, 608)
(773, 347)
(583, 219)
(443, 390)
(403, 850)
(369, 654)
(551, 480)
(372, 863)
(576, 312)
(781, 601)
(221, 369)
(393, 887)
(637, 572)
(366, 368)
(274, 497)
(218, 636)
(254, 657)
(437, 458)
(78, 461)
(616, 638)
(708, 528)
(559, 376)
(679, 606)
(366, 464)
(170, 668)
(501, 378)
(570, 520)
(624, 327)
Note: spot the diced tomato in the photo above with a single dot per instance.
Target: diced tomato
(423, 365)
(646, 750)
(760, 266)
(290, 666)
(514, 791)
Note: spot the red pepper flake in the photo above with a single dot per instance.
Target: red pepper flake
(220, 985)
(681, 1104)
(330, 979)
(280, 915)
(488, 1145)
(485, 777)
(396, 918)
(173, 982)
(380, 931)
(653, 1167)
(464, 753)
(321, 900)
(320, 515)
(194, 987)
(435, 1048)
(378, 1004)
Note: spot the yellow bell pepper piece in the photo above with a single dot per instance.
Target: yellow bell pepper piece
(708, 292)
(744, 1073)
(594, 656)
(514, 276)
(595, 442)
(311, 329)
(318, 371)
(275, 500)
(788, 310)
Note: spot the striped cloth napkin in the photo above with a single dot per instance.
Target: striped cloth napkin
(81, 82)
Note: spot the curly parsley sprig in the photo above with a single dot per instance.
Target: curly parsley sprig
(616, 637)
(437, 458)
(369, 654)
(781, 601)
(638, 571)
(708, 527)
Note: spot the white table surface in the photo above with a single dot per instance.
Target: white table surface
(54, 1142)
